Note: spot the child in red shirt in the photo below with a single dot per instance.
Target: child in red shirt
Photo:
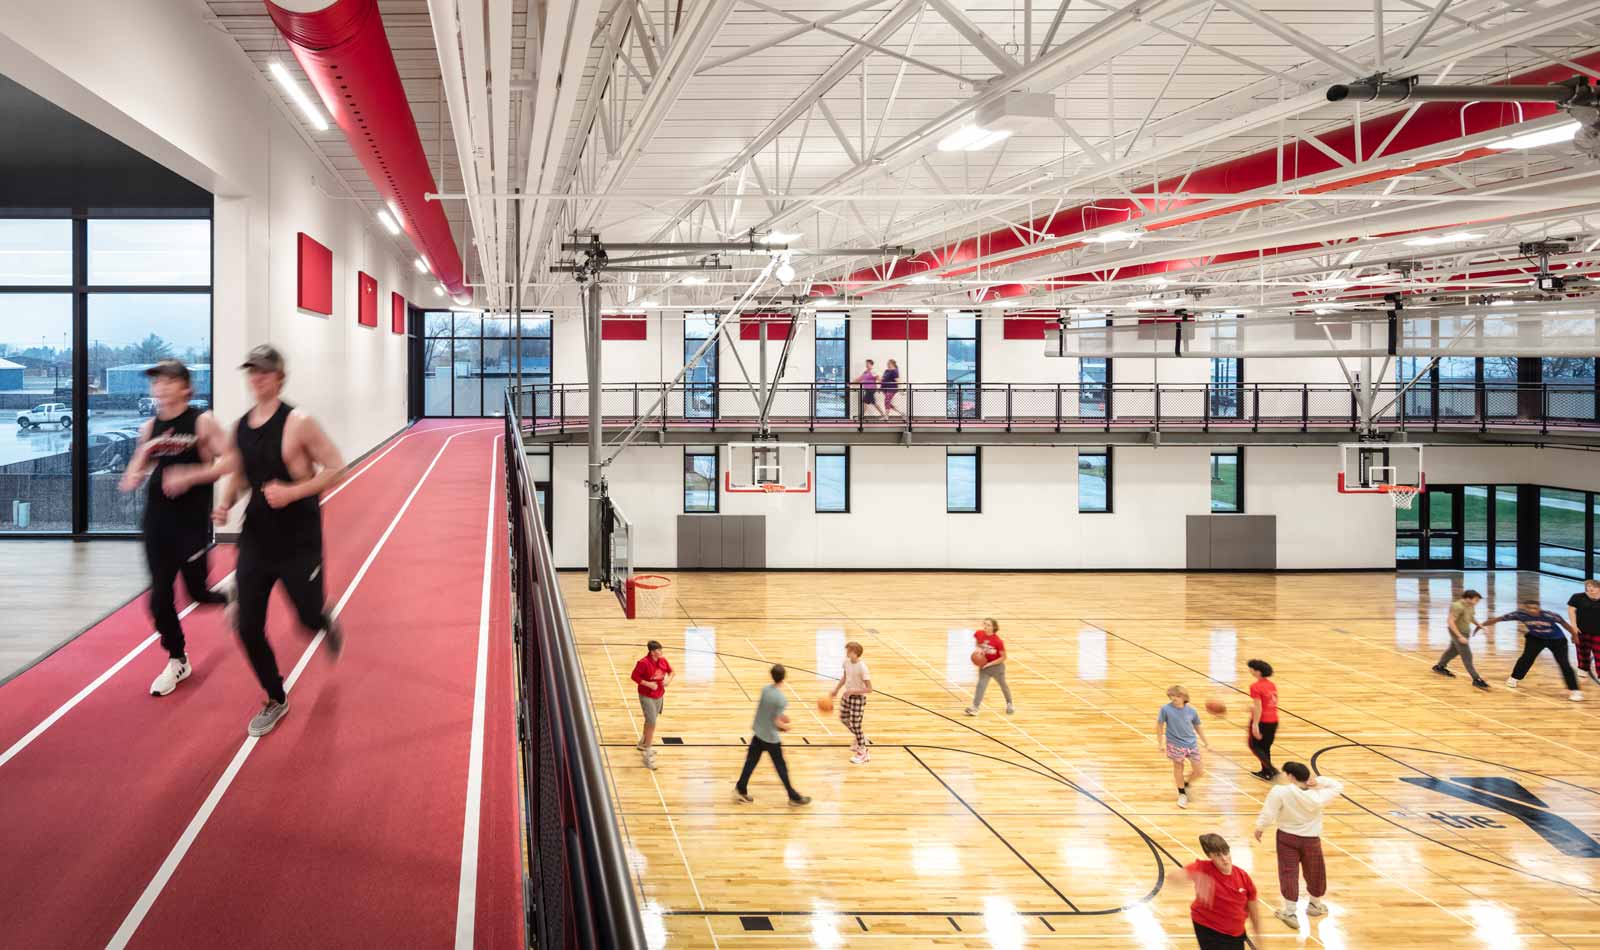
(994, 665)
(652, 673)
(1263, 717)
(1224, 897)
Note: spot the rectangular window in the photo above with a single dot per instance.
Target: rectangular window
(1227, 373)
(1094, 377)
(700, 382)
(37, 367)
(127, 252)
(1505, 526)
(1569, 387)
(1227, 481)
(700, 480)
(962, 480)
(1094, 481)
(36, 252)
(1563, 517)
(961, 365)
(833, 478)
(1475, 529)
(833, 366)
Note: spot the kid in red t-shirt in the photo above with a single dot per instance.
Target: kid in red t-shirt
(994, 665)
(1263, 717)
(652, 673)
(1224, 898)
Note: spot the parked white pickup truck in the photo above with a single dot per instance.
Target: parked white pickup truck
(48, 413)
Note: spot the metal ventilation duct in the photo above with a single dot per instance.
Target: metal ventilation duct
(343, 49)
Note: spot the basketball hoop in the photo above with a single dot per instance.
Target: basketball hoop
(646, 593)
(1403, 496)
(772, 488)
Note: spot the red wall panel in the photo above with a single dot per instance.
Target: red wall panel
(367, 306)
(778, 325)
(316, 276)
(899, 325)
(630, 326)
(1028, 324)
(397, 313)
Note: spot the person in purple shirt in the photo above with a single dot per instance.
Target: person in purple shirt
(869, 391)
(889, 382)
(1544, 633)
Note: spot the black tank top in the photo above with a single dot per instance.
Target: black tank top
(296, 527)
(174, 442)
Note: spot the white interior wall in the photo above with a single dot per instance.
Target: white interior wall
(1029, 517)
(157, 76)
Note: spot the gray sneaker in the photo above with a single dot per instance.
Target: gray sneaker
(266, 720)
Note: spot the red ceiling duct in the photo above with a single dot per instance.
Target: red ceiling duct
(1434, 123)
(343, 49)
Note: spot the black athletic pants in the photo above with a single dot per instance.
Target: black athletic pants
(1262, 747)
(1557, 648)
(301, 576)
(1209, 939)
(774, 749)
(170, 552)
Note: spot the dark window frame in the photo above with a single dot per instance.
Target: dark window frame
(81, 290)
(977, 479)
(976, 339)
(843, 452)
(419, 358)
(1105, 453)
(842, 386)
(1238, 486)
(716, 481)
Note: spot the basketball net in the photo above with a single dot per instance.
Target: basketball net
(1403, 496)
(646, 593)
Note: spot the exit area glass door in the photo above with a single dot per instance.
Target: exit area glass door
(1429, 536)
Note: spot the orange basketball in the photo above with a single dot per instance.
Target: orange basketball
(979, 657)
(825, 704)
(1217, 708)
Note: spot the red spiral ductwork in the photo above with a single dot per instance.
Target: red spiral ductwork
(343, 49)
(1435, 123)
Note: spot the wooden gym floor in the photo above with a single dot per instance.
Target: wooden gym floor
(1466, 819)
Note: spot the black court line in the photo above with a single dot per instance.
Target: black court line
(1046, 923)
(1157, 850)
(1375, 749)
(992, 830)
(933, 913)
(862, 923)
(953, 923)
(1429, 838)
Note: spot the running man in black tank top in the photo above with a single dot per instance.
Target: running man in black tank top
(286, 461)
(176, 450)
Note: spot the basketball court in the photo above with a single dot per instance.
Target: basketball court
(1058, 824)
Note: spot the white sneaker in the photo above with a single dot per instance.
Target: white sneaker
(177, 671)
(650, 760)
(1511, 682)
(1576, 695)
(1010, 709)
(1183, 800)
(970, 711)
(858, 758)
(1289, 917)
(1316, 908)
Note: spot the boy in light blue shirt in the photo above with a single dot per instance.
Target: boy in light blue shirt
(765, 738)
(1179, 734)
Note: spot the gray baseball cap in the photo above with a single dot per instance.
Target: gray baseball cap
(172, 369)
(265, 358)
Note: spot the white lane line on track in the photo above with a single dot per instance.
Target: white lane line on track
(127, 658)
(467, 894)
(152, 891)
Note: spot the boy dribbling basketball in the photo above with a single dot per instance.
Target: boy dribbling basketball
(1179, 734)
(856, 682)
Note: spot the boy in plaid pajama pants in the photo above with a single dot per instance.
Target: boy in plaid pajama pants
(856, 683)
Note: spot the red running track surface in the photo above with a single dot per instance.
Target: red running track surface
(344, 827)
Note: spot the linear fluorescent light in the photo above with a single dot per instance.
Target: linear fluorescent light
(421, 265)
(298, 95)
(1502, 302)
(694, 279)
(388, 222)
(1550, 136)
(647, 303)
(463, 299)
(1142, 304)
(972, 138)
(1443, 239)
(438, 290)
(778, 237)
(1115, 234)
(1350, 258)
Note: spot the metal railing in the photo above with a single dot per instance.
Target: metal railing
(579, 893)
(1065, 407)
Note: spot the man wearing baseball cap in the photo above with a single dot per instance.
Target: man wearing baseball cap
(286, 461)
(177, 447)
